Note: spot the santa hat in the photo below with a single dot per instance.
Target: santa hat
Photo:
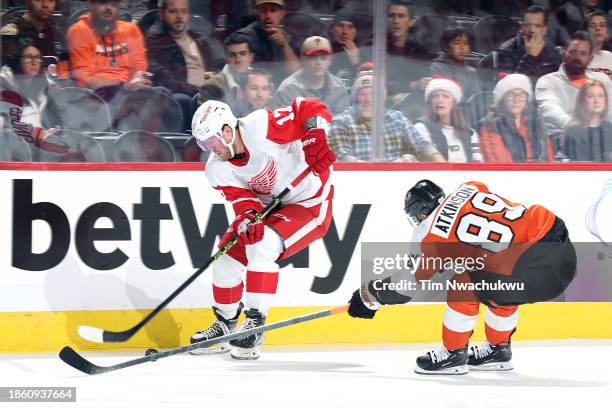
(441, 83)
(510, 82)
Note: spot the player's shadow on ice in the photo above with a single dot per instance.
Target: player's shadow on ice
(300, 366)
(505, 379)
(96, 290)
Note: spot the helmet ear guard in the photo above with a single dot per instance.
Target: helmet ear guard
(421, 200)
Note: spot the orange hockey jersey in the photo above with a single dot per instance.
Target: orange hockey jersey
(473, 223)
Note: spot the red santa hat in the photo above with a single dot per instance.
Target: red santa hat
(509, 82)
(442, 83)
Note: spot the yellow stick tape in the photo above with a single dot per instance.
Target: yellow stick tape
(50, 331)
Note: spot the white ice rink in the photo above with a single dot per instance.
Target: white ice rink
(560, 374)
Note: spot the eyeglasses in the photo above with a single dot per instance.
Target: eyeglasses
(521, 97)
(32, 58)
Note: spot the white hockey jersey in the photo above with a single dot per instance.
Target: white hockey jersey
(274, 157)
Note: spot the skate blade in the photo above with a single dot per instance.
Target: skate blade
(239, 353)
(457, 370)
(493, 366)
(209, 351)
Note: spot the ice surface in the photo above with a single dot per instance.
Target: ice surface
(561, 373)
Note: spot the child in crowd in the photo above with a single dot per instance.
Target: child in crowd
(456, 43)
(445, 122)
(511, 132)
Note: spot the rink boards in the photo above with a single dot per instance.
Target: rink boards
(103, 244)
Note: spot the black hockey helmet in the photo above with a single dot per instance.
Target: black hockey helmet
(421, 200)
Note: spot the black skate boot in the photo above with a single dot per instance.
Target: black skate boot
(248, 348)
(486, 357)
(443, 362)
(219, 327)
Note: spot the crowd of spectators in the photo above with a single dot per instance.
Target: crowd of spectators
(539, 95)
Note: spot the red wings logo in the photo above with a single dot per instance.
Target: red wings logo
(264, 182)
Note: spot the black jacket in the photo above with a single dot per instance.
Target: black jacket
(513, 142)
(406, 64)
(588, 144)
(268, 55)
(571, 14)
(439, 140)
(513, 58)
(166, 60)
(50, 41)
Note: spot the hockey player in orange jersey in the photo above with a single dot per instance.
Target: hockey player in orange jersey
(526, 249)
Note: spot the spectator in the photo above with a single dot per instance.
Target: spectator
(445, 123)
(224, 86)
(24, 76)
(510, 133)
(530, 53)
(347, 56)
(351, 137)
(314, 79)
(571, 14)
(407, 58)
(256, 92)
(588, 137)
(177, 56)
(456, 45)
(107, 55)
(556, 92)
(134, 9)
(273, 46)
(597, 26)
(37, 25)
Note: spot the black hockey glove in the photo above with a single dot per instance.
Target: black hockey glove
(367, 300)
(358, 307)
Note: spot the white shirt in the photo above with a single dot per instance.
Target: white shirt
(456, 151)
(602, 62)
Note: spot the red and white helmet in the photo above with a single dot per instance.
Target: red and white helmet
(207, 124)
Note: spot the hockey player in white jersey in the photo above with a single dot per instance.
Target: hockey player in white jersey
(254, 159)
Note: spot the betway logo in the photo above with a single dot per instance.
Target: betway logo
(151, 214)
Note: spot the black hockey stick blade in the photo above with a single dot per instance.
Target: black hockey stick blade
(69, 356)
(97, 335)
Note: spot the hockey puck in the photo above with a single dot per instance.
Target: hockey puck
(150, 352)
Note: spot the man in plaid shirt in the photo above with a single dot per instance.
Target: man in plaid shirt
(350, 135)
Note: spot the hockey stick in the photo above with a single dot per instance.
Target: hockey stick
(106, 336)
(69, 356)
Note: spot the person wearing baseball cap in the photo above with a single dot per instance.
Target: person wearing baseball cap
(314, 79)
(275, 49)
(511, 132)
(445, 123)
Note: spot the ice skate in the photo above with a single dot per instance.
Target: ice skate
(219, 327)
(486, 357)
(441, 361)
(248, 348)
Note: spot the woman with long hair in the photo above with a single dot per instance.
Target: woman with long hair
(588, 137)
(445, 123)
(24, 92)
(511, 132)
